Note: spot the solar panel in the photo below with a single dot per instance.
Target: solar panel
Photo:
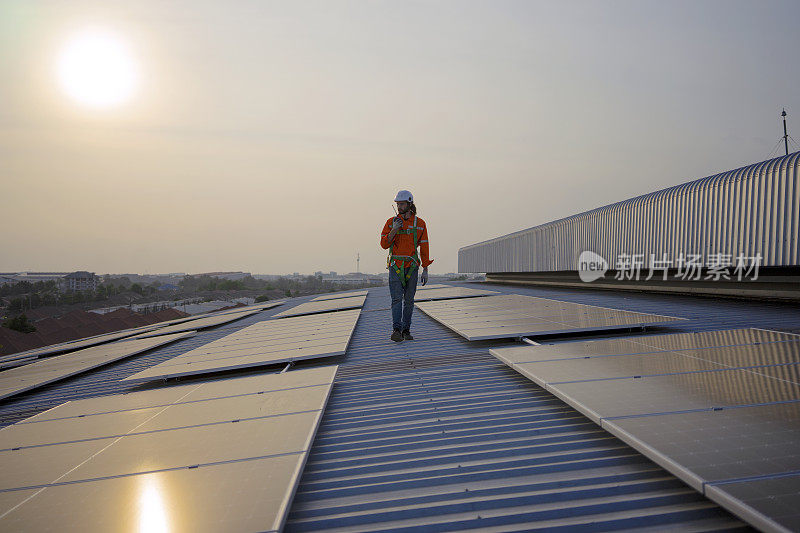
(323, 306)
(337, 295)
(295, 379)
(74, 429)
(771, 504)
(430, 286)
(679, 392)
(200, 323)
(714, 446)
(250, 495)
(665, 362)
(639, 345)
(606, 386)
(514, 315)
(21, 379)
(577, 369)
(196, 459)
(264, 343)
(719, 409)
(450, 292)
(40, 465)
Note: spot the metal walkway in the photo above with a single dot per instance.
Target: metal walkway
(436, 435)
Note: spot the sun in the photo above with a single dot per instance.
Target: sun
(96, 69)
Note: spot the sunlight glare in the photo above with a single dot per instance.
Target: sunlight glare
(152, 506)
(96, 69)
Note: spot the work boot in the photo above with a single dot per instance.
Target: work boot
(407, 335)
(397, 335)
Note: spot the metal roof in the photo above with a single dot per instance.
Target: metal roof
(435, 434)
(748, 211)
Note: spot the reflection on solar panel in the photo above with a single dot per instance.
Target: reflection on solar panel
(220, 456)
(264, 343)
(716, 408)
(514, 315)
(451, 292)
(52, 369)
(337, 295)
(324, 306)
(200, 323)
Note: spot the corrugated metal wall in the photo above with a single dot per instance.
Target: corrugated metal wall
(751, 210)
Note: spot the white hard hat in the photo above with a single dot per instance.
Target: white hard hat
(404, 196)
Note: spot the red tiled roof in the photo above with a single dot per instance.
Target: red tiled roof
(77, 325)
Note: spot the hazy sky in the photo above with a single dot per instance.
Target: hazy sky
(271, 137)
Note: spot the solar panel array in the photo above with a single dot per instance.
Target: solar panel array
(24, 378)
(78, 344)
(450, 292)
(514, 315)
(324, 306)
(719, 409)
(264, 343)
(219, 456)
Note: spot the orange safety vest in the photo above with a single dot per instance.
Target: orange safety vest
(391, 260)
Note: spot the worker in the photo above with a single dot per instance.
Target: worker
(401, 235)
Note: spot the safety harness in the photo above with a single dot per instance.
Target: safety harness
(391, 261)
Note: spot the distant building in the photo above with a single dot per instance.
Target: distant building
(79, 281)
(15, 277)
(233, 276)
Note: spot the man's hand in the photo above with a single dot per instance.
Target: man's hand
(424, 276)
(397, 225)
